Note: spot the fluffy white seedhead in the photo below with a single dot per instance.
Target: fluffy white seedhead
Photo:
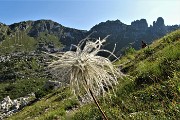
(83, 69)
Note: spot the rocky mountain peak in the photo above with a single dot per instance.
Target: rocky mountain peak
(106, 26)
(159, 22)
(140, 24)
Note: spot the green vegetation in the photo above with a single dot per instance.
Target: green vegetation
(20, 41)
(47, 38)
(21, 75)
(151, 90)
(53, 106)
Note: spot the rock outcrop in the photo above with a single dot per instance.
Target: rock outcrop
(141, 25)
(133, 34)
(9, 107)
(52, 84)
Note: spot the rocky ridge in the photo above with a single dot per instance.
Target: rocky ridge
(124, 35)
(121, 34)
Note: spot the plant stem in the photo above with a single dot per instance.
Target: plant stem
(103, 114)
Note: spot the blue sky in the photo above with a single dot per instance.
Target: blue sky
(84, 14)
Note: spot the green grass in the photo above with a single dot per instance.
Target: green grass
(20, 41)
(21, 87)
(53, 106)
(151, 90)
(46, 38)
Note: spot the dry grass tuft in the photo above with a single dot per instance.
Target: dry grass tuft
(85, 70)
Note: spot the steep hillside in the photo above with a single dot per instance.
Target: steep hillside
(151, 89)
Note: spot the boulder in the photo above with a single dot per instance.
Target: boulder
(52, 84)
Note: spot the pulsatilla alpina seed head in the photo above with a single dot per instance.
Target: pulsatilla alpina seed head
(84, 69)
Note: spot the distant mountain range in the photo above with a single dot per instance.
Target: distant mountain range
(47, 35)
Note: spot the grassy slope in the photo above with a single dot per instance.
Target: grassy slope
(151, 91)
(20, 41)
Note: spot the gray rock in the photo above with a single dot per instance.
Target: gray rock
(9, 107)
(52, 84)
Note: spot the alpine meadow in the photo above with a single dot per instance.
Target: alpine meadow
(89, 60)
